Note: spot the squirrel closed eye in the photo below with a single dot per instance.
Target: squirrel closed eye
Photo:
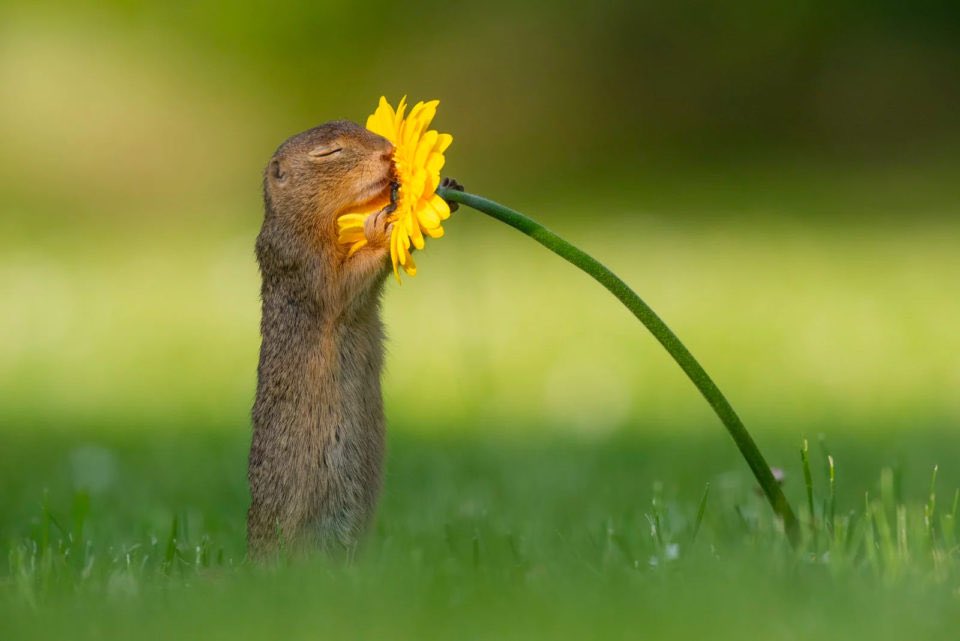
(324, 152)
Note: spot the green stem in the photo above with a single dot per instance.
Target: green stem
(676, 349)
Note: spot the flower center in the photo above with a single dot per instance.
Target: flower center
(406, 200)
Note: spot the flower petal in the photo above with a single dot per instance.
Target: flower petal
(350, 237)
(398, 120)
(410, 267)
(435, 162)
(415, 234)
(393, 254)
(360, 244)
(440, 206)
(424, 147)
(427, 216)
(418, 159)
(382, 121)
(443, 141)
(347, 221)
(403, 243)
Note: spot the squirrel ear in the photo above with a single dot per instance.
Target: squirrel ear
(276, 171)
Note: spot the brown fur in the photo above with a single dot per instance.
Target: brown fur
(316, 458)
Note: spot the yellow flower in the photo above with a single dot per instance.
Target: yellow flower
(418, 159)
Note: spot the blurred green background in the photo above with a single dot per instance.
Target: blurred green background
(779, 181)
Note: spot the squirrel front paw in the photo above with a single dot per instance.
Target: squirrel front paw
(377, 227)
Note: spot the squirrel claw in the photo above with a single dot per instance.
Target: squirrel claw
(376, 228)
(451, 183)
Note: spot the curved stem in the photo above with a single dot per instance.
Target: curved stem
(694, 371)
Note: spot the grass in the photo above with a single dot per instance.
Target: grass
(795, 323)
(476, 539)
(551, 473)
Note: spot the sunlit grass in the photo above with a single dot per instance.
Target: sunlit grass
(548, 464)
(543, 478)
(479, 538)
(796, 323)
(556, 481)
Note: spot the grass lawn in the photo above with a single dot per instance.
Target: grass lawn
(477, 538)
(780, 186)
(547, 462)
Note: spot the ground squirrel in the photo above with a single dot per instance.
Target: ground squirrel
(318, 424)
(316, 458)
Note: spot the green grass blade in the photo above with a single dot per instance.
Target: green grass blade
(701, 510)
(808, 481)
(930, 509)
(831, 515)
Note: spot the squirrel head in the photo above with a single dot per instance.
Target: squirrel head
(326, 171)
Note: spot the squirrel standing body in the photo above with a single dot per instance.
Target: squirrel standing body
(316, 457)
